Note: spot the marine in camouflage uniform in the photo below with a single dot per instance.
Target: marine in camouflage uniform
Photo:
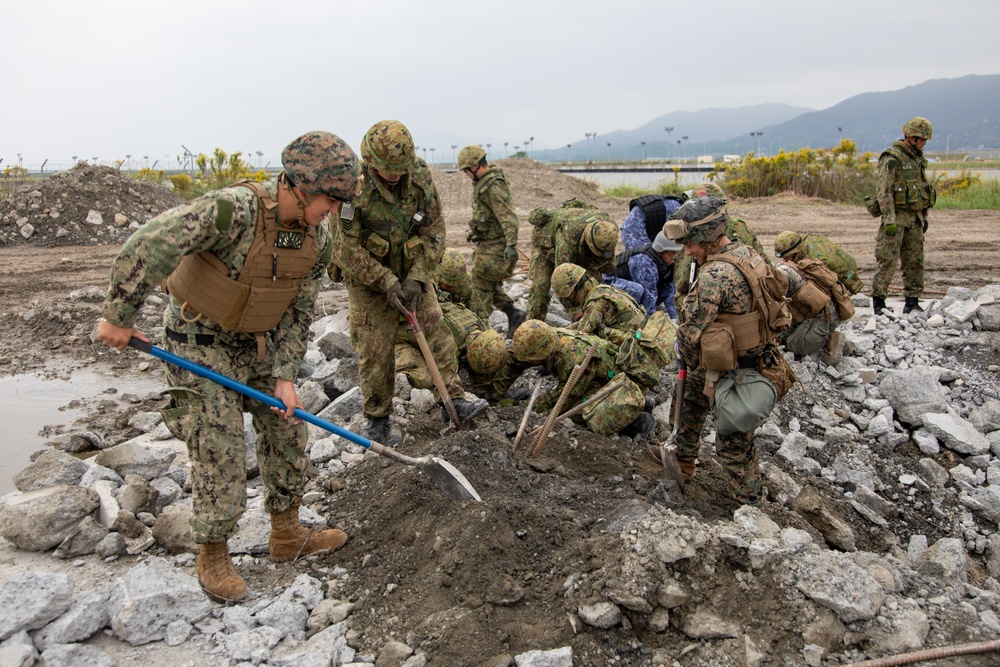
(720, 288)
(806, 335)
(560, 350)
(736, 230)
(605, 311)
(904, 197)
(493, 229)
(575, 233)
(480, 349)
(454, 285)
(224, 228)
(392, 246)
(793, 247)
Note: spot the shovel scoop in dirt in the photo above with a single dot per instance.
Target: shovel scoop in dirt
(445, 475)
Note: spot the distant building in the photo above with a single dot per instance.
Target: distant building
(706, 159)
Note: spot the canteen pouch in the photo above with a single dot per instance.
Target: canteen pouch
(775, 368)
(718, 347)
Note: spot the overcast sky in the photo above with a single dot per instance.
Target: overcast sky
(109, 78)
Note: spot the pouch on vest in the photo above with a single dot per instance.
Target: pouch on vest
(617, 410)
(776, 369)
(718, 347)
(413, 247)
(376, 245)
(842, 298)
(808, 302)
(808, 337)
(743, 400)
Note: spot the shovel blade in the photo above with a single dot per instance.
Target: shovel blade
(449, 479)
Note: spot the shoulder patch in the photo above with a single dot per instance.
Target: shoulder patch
(223, 214)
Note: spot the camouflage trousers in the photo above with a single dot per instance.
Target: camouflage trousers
(905, 248)
(489, 270)
(209, 419)
(540, 268)
(736, 452)
(410, 362)
(374, 330)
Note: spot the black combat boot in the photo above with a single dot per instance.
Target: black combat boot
(378, 429)
(642, 426)
(912, 305)
(466, 409)
(515, 318)
(878, 304)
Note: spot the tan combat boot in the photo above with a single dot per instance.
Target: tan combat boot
(217, 574)
(290, 539)
(687, 468)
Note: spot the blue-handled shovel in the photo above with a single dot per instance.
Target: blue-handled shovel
(445, 475)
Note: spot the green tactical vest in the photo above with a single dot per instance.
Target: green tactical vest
(461, 322)
(910, 190)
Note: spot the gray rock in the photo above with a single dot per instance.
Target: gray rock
(393, 653)
(914, 392)
(112, 545)
(875, 502)
(29, 601)
(167, 492)
(172, 530)
(288, 617)
(336, 345)
(926, 442)
(604, 615)
(344, 406)
(152, 595)
(933, 473)
(836, 582)
(324, 648)
(42, 519)
(252, 533)
(989, 317)
(328, 612)
(177, 633)
(945, 559)
(76, 655)
(560, 657)
(53, 467)
(703, 624)
(312, 396)
(956, 433)
(824, 517)
(136, 495)
(18, 651)
(87, 614)
(252, 643)
(132, 456)
(986, 417)
(83, 540)
(984, 501)
(96, 473)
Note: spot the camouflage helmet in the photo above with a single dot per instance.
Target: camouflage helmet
(918, 127)
(452, 268)
(786, 243)
(388, 147)
(539, 216)
(487, 353)
(321, 163)
(601, 236)
(698, 221)
(470, 156)
(709, 188)
(565, 279)
(534, 341)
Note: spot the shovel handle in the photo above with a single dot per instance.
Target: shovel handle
(571, 381)
(266, 399)
(527, 413)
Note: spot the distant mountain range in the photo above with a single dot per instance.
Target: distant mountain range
(965, 113)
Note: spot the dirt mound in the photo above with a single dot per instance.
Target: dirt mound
(85, 205)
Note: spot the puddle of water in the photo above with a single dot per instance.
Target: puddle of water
(29, 403)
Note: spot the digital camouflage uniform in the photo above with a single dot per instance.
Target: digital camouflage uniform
(737, 230)
(493, 227)
(207, 416)
(719, 288)
(464, 295)
(904, 195)
(376, 249)
(806, 335)
(607, 312)
(557, 238)
(464, 326)
(836, 259)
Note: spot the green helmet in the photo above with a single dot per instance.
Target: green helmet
(452, 268)
(539, 216)
(918, 127)
(321, 163)
(470, 156)
(698, 220)
(487, 353)
(710, 188)
(388, 147)
(534, 341)
(565, 279)
(601, 236)
(786, 243)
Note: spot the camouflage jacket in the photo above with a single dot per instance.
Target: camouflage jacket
(902, 182)
(568, 236)
(493, 217)
(571, 349)
(836, 259)
(464, 295)
(381, 244)
(737, 230)
(222, 223)
(609, 313)
(719, 288)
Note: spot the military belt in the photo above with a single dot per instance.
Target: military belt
(199, 339)
(748, 361)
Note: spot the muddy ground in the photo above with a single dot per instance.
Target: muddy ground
(470, 581)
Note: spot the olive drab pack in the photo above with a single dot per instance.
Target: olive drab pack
(820, 273)
(617, 410)
(647, 350)
(278, 262)
(836, 259)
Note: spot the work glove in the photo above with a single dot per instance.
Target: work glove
(396, 289)
(413, 290)
(925, 223)
(890, 228)
(510, 254)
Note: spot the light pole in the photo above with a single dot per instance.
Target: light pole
(454, 155)
(505, 149)
(93, 158)
(668, 130)
(840, 135)
(128, 162)
(20, 163)
(609, 151)
(588, 135)
(532, 143)
(145, 161)
(643, 144)
(685, 138)
(947, 147)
